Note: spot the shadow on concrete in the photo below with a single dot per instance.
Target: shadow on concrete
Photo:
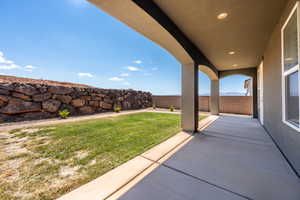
(234, 158)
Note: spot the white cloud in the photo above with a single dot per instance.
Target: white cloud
(154, 68)
(132, 68)
(84, 74)
(3, 60)
(124, 74)
(8, 67)
(116, 79)
(6, 64)
(137, 62)
(9, 62)
(29, 68)
(78, 2)
(126, 83)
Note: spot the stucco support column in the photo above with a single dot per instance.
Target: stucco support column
(189, 97)
(214, 97)
(254, 93)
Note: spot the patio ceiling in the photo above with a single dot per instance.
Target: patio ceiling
(245, 31)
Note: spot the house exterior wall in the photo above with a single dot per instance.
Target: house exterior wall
(248, 87)
(228, 104)
(286, 137)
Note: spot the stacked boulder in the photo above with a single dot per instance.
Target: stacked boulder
(26, 101)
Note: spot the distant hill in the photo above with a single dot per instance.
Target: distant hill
(227, 94)
(233, 94)
(10, 79)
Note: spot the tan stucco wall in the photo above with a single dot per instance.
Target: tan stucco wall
(287, 138)
(228, 104)
(236, 104)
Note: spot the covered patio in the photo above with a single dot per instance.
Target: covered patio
(234, 158)
(218, 38)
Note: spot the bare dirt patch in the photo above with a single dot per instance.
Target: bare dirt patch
(81, 154)
(25, 174)
(68, 171)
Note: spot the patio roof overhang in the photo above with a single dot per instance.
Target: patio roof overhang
(191, 31)
(219, 38)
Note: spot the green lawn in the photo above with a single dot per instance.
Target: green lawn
(203, 116)
(54, 160)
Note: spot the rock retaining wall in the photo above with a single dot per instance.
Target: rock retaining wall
(25, 101)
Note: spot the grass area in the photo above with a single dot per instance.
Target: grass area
(203, 116)
(45, 163)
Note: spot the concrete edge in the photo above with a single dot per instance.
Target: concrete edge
(159, 160)
(147, 171)
(203, 124)
(116, 182)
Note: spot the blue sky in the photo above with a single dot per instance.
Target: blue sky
(71, 40)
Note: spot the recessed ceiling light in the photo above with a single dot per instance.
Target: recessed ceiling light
(235, 65)
(222, 15)
(231, 52)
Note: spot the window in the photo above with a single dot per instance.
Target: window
(290, 70)
(292, 98)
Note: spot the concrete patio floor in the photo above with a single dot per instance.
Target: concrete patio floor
(234, 158)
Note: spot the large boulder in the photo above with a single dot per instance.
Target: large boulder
(126, 105)
(5, 118)
(4, 98)
(37, 115)
(26, 89)
(21, 96)
(2, 103)
(66, 99)
(51, 105)
(16, 106)
(60, 90)
(43, 89)
(3, 91)
(7, 86)
(86, 110)
(108, 100)
(97, 95)
(94, 103)
(78, 103)
(106, 106)
(41, 97)
(96, 98)
(87, 98)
